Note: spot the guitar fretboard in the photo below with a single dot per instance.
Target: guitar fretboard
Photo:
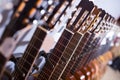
(65, 56)
(25, 64)
(2, 63)
(54, 56)
(78, 51)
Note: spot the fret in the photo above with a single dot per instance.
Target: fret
(26, 62)
(53, 59)
(23, 60)
(33, 52)
(95, 41)
(48, 73)
(63, 60)
(58, 52)
(53, 78)
(94, 44)
(62, 57)
(76, 64)
(88, 50)
(88, 23)
(46, 70)
(62, 46)
(26, 66)
(29, 58)
(33, 46)
(58, 70)
(74, 57)
(66, 55)
(64, 39)
(34, 43)
(67, 69)
(43, 76)
(23, 69)
(79, 49)
(83, 51)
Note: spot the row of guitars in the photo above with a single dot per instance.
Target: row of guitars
(83, 26)
(94, 70)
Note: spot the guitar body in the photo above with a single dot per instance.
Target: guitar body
(70, 77)
(85, 72)
(79, 75)
(92, 70)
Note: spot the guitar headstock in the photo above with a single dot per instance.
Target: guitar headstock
(68, 16)
(96, 21)
(101, 26)
(90, 20)
(86, 6)
(83, 13)
(107, 23)
(99, 21)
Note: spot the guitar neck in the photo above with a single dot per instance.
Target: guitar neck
(26, 63)
(90, 54)
(85, 13)
(75, 56)
(32, 50)
(88, 47)
(63, 55)
(65, 58)
(52, 58)
(47, 70)
(95, 41)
